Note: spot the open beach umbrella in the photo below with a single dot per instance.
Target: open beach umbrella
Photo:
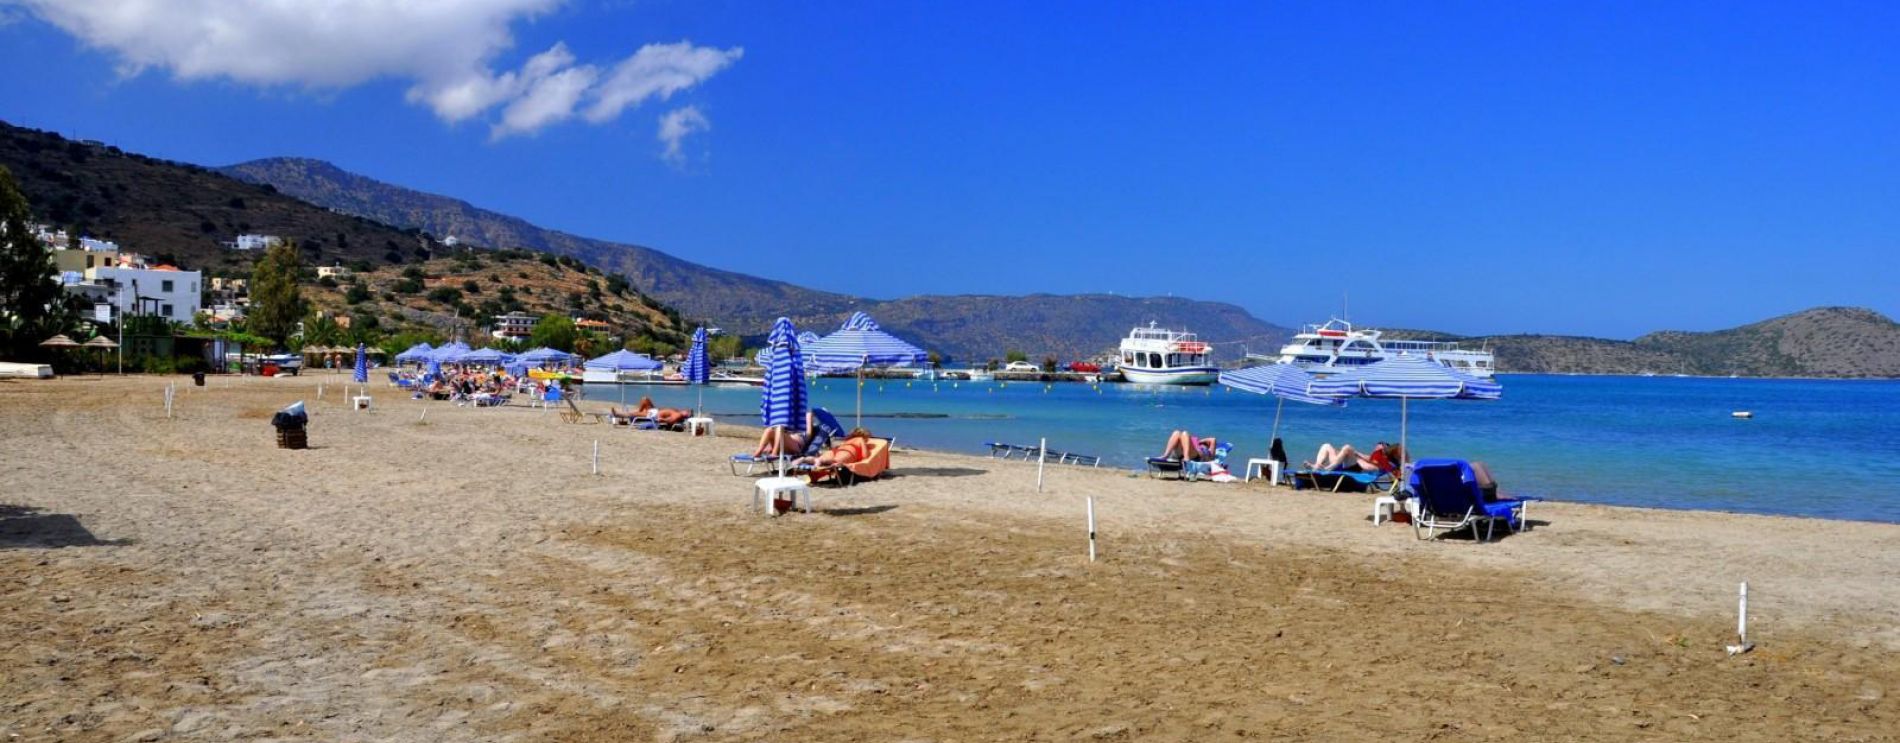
(362, 365)
(544, 355)
(623, 360)
(861, 343)
(696, 370)
(785, 399)
(1407, 378)
(1283, 381)
(449, 353)
(418, 352)
(489, 356)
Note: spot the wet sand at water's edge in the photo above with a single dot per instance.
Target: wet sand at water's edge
(465, 578)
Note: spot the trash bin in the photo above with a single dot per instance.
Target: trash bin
(290, 424)
(198, 379)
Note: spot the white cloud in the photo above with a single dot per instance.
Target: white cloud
(444, 49)
(675, 126)
(657, 69)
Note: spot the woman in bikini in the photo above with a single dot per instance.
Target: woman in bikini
(1183, 446)
(780, 441)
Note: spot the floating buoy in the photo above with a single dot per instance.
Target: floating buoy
(1742, 414)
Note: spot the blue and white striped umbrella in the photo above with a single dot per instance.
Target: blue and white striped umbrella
(1407, 378)
(785, 398)
(1284, 381)
(696, 370)
(362, 364)
(861, 343)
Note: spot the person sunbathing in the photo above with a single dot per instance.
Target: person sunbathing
(855, 448)
(1348, 459)
(663, 416)
(777, 441)
(1183, 446)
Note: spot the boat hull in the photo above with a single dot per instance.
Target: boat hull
(1180, 375)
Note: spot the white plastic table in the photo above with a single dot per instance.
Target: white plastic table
(360, 402)
(769, 489)
(1272, 466)
(697, 424)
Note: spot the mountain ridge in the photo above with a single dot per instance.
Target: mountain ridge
(1037, 325)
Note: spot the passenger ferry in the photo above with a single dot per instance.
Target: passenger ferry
(1336, 346)
(1154, 355)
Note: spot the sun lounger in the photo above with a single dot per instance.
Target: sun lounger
(1449, 499)
(574, 414)
(1162, 466)
(876, 461)
(825, 428)
(1351, 481)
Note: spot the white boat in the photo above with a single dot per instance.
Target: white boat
(981, 375)
(1154, 355)
(1335, 346)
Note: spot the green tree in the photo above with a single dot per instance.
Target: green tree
(1049, 363)
(276, 301)
(936, 360)
(722, 347)
(33, 307)
(554, 331)
(1013, 355)
(319, 329)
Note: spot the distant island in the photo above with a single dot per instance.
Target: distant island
(1839, 342)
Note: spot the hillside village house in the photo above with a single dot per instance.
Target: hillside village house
(254, 242)
(514, 325)
(336, 272)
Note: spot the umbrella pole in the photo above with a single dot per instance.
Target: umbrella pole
(860, 396)
(1277, 407)
(1405, 448)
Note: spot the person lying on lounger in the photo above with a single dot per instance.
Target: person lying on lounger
(1347, 459)
(777, 441)
(1183, 446)
(855, 448)
(663, 416)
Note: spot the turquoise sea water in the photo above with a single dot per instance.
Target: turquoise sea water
(1826, 449)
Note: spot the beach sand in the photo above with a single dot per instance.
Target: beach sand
(466, 578)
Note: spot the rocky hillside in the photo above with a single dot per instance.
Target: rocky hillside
(479, 284)
(700, 291)
(1821, 342)
(181, 212)
(961, 327)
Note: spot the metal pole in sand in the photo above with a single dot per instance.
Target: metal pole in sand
(1042, 455)
(1091, 528)
(425, 414)
(596, 456)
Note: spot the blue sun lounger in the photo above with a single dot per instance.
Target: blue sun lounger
(825, 428)
(1449, 499)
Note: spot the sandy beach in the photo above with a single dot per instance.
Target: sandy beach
(466, 578)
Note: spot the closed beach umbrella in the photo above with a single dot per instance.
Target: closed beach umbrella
(1283, 381)
(1407, 378)
(784, 400)
(362, 365)
(697, 370)
(861, 343)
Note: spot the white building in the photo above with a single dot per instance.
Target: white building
(338, 272)
(256, 242)
(150, 291)
(514, 325)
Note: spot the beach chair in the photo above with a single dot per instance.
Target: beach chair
(574, 414)
(1164, 466)
(877, 460)
(1449, 499)
(1386, 480)
(825, 428)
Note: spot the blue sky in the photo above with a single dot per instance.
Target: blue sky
(1599, 168)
